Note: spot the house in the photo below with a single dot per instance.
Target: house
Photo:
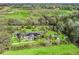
(28, 35)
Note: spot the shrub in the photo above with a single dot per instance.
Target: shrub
(30, 44)
(41, 42)
(4, 41)
(22, 45)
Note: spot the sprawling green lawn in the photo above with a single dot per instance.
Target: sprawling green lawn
(67, 49)
(15, 14)
(21, 14)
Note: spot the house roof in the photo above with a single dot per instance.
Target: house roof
(33, 33)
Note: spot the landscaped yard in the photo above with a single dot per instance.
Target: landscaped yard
(39, 29)
(67, 49)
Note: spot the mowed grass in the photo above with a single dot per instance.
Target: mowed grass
(66, 49)
(19, 14)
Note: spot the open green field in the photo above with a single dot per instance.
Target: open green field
(67, 49)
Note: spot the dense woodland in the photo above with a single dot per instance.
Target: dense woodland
(39, 26)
